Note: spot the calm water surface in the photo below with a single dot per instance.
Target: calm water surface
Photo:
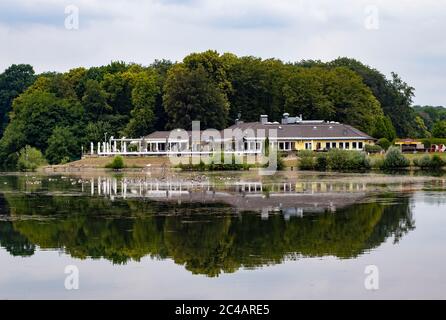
(222, 236)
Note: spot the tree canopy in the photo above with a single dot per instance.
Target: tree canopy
(15, 80)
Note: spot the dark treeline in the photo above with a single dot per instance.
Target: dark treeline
(58, 113)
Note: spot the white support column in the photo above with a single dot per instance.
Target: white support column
(91, 148)
(99, 148)
(115, 146)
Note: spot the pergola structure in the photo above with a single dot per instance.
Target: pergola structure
(162, 147)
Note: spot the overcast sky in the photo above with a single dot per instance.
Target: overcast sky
(405, 36)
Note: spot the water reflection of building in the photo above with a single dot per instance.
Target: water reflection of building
(289, 198)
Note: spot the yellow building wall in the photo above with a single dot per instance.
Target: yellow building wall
(300, 145)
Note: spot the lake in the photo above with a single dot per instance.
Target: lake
(223, 236)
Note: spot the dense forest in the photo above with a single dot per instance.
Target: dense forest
(58, 113)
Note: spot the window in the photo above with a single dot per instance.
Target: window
(285, 146)
(327, 146)
(341, 145)
(333, 145)
(361, 145)
(347, 145)
(355, 145)
(308, 146)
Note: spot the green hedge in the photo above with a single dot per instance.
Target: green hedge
(427, 162)
(335, 159)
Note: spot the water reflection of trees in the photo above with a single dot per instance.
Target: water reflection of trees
(206, 239)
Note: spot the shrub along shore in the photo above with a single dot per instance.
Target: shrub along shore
(345, 160)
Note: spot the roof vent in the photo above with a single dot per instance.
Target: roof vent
(285, 118)
(263, 119)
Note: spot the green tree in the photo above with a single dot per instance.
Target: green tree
(215, 66)
(249, 97)
(305, 93)
(144, 94)
(421, 128)
(30, 159)
(394, 95)
(33, 119)
(439, 129)
(384, 129)
(384, 143)
(430, 115)
(191, 95)
(15, 80)
(62, 145)
(119, 92)
(161, 68)
(95, 100)
(96, 131)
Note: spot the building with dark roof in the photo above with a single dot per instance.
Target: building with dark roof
(291, 134)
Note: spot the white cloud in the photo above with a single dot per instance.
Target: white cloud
(409, 40)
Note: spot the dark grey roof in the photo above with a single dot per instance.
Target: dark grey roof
(302, 130)
(307, 130)
(161, 135)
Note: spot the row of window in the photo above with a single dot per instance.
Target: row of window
(289, 146)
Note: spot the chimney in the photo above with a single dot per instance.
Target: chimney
(263, 119)
(285, 118)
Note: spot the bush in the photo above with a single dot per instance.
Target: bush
(321, 162)
(306, 161)
(384, 143)
(116, 164)
(427, 162)
(345, 160)
(357, 161)
(30, 159)
(394, 159)
(437, 162)
(369, 148)
(335, 159)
